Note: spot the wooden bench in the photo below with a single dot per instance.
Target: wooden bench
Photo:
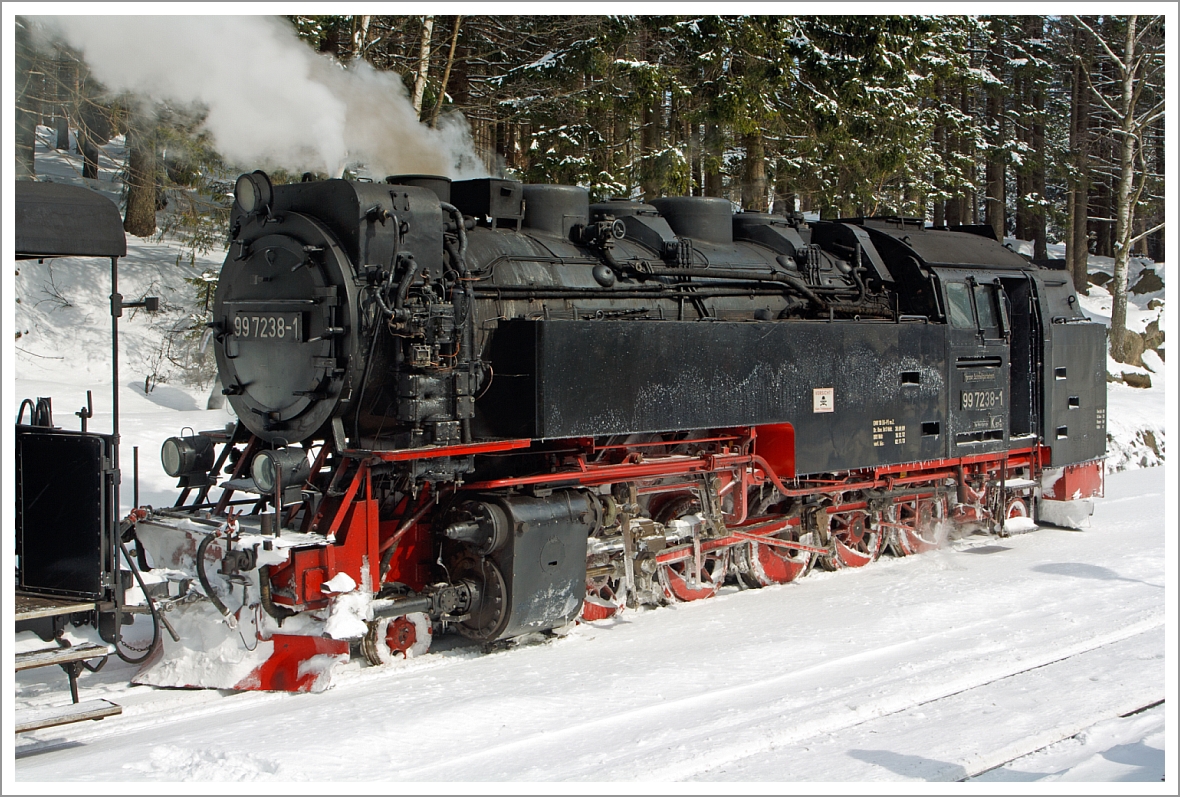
(32, 607)
(33, 719)
(48, 656)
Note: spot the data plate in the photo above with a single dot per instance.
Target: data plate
(282, 327)
(981, 399)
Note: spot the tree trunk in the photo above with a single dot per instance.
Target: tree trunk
(953, 204)
(950, 147)
(1078, 245)
(754, 186)
(1124, 212)
(1037, 179)
(938, 213)
(140, 218)
(360, 36)
(423, 64)
(1155, 241)
(1102, 210)
(967, 203)
(994, 206)
(713, 160)
(649, 134)
(442, 90)
(26, 123)
(648, 144)
(89, 156)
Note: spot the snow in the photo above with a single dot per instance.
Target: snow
(347, 615)
(341, 582)
(1001, 660)
(935, 667)
(1121, 749)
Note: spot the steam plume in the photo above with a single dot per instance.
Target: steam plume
(269, 99)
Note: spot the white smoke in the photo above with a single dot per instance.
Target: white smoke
(270, 100)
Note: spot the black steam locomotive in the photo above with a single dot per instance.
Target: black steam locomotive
(493, 408)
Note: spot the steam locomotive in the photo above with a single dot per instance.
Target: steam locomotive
(492, 408)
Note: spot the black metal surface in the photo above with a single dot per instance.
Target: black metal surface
(677, 325)
(66, 220)
(441, 186)
(945, 248)
(64, 519)
(555, 209)
(544, 565)
(1075, 393)
(286, 387)
(698, 217)
(490, 197)
(566, 378)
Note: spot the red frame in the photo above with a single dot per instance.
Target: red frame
(356, 538)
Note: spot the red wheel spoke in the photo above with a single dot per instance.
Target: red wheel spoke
(680, 582)
(855, 543)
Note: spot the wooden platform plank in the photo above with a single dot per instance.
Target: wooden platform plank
(32, 719)
(31, 607)
(47, 656)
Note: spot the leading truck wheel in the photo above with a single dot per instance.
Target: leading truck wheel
(389, 637)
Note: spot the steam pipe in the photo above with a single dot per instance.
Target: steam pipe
(461, 231)
(205, 579)
(468, 331)
(732, 274)
(403, 289)
(280, 613)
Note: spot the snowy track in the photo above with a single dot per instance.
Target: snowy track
(969, 732)
(937, 667)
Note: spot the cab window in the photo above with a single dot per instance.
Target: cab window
(958, 305)
(985, 306)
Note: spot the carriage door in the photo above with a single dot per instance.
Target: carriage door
(1020, 300)
(977, 353)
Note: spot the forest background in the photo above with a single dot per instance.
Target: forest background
(1043, 128)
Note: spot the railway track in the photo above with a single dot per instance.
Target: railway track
(960, 735)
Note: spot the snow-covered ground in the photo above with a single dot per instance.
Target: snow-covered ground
(1004, 660)
(1022, 654)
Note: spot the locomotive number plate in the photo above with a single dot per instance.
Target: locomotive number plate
(981, 399)
(284, 327)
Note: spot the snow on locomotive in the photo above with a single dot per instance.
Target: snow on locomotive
(492, 408)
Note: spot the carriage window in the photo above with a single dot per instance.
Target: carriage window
(959, 305)
(985, 305)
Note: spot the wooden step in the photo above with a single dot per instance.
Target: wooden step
(32, 719)
(47, 656)
(31, 607)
